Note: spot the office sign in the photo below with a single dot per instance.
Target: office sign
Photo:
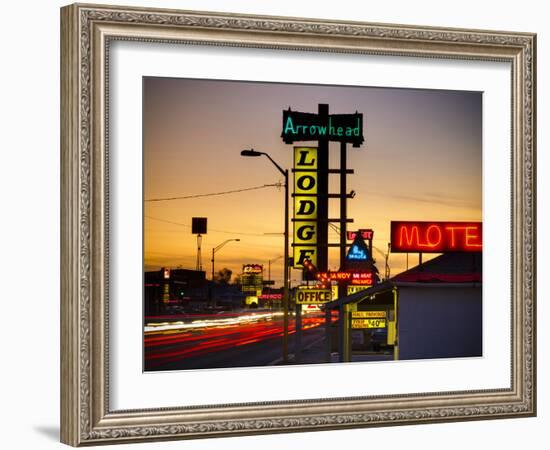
(436, 237)
(302, 126)
(305, 295)
(305, 206)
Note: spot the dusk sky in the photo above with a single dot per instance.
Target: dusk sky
(421, 160)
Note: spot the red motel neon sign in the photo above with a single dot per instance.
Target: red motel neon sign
(436, 237)
(365, 234)
(357, 278)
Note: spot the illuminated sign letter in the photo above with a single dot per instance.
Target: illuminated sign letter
(305, 207)
(306, 182)
(306, 159)
(305, 232)
(289, 127)
(303, 254)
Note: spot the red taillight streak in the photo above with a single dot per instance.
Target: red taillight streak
(247, 334)
(210, 346)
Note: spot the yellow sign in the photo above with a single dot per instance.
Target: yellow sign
(306, 296)
(251, 299)
(305, 205)
(368, 323)
(354, 289)
(368, 314)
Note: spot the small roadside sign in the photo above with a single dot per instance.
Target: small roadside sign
(368, 323)
(368, 314)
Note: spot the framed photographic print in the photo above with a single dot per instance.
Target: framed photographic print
(261, 213)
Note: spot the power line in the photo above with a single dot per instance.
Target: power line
(211, 229)
(212, 194)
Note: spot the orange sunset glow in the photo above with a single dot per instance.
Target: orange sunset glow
(421, 161)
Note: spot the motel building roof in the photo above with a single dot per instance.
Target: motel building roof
(445, 271)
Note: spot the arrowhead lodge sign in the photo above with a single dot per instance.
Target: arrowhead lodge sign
(301, 126)
(311, 179)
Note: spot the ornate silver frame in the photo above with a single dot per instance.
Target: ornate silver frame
(86, 31)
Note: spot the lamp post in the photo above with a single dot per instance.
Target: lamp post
(252, 152)
(215, 249)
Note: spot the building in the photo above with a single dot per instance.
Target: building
(167, 288)
(433, 310)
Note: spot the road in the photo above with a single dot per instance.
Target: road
(219, 341)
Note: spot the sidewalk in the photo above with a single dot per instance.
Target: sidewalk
(314, 352)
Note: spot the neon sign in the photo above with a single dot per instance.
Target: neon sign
(253, 268)
(436, 237)
(367, 234)
(355, 278)
(302, 126)
(305, 206)
(271, 297)
(356, 253)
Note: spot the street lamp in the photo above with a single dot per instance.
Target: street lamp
(252, 152)
(215, 249)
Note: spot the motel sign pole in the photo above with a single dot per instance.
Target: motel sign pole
(285, 287)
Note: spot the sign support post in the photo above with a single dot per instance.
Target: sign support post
(328, 331)
(298, 334)
(322, 194)
(343, 203)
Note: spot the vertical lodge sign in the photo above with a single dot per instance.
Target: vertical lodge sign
(305, 205)
(311, 179)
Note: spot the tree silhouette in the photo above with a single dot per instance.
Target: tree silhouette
(223, 276)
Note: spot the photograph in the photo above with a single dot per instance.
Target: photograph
(290, 224)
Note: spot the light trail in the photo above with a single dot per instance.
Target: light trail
(205, 323)
(164, 345)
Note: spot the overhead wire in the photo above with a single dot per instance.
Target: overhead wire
(212, 194)
(242, 233)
